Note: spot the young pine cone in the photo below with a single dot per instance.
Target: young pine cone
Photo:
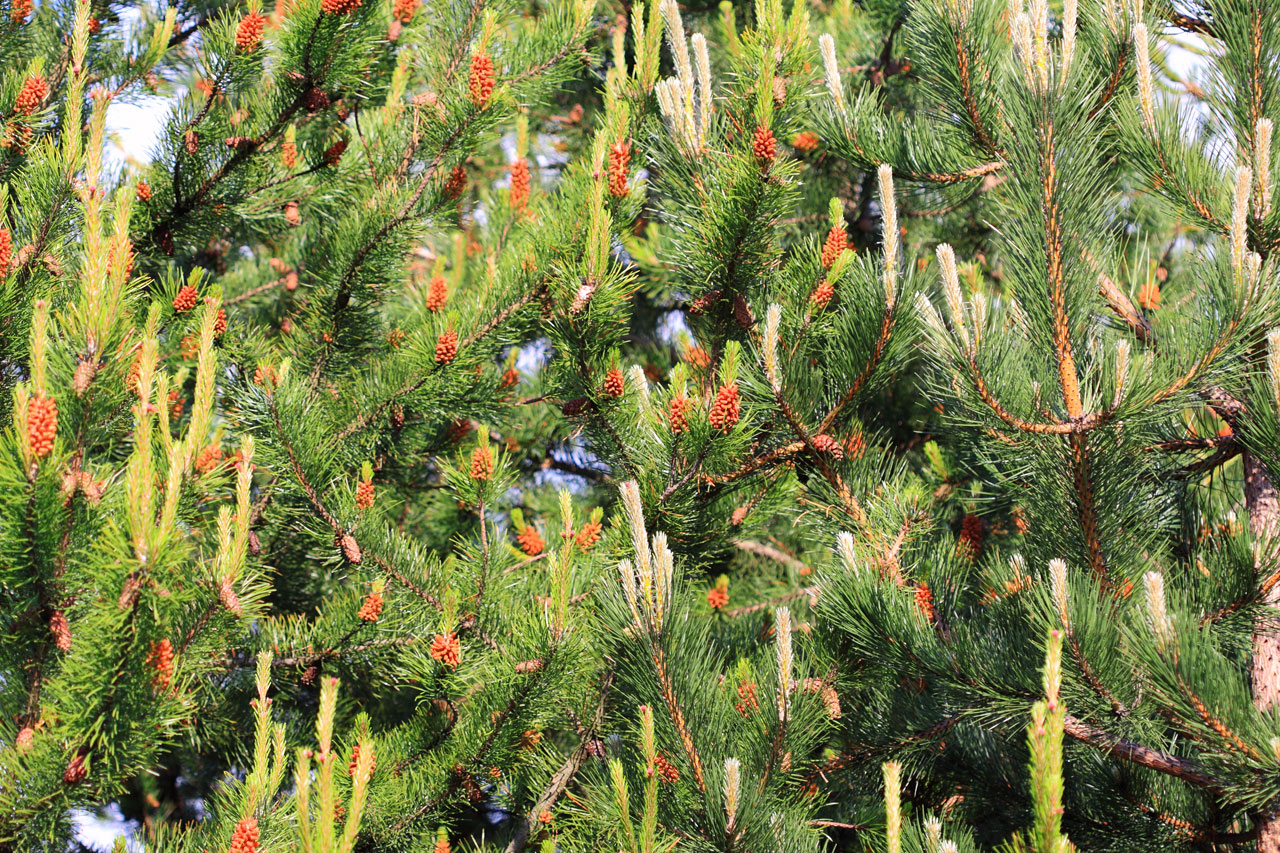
(764, 146)
(726, 408)
(350, 548)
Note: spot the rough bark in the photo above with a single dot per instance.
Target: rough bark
(1263, 503)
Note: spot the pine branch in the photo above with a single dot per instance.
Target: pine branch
(969, 174)
(1261, 593)
(984, 138)
(877, 352)
(1091, 676)
(363, 421)
(756, 462)
(1220, 457)
(347, 279)
(851, 503)
(677, 715)
(675, 485)
(1087, 422)
(338, 529)
(1192, 24)
(594, 475)
(1194, 833)
(187, 206)
(810, 592)
(850, 758)
(499, 720)
(1171, 765)
(763, 550)
(1113, 83)
(564, 776)
(181, 36)
(1229, 738)
(1120, 303)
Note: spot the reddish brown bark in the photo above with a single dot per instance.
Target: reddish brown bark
(1263, 503)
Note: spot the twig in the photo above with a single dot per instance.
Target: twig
(763, 550)
(560, 781)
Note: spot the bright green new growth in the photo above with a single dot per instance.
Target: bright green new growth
(675, 427)
(1044, 739)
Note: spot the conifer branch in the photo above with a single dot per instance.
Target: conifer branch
(763, 550)
(980, 132)
(1119, 302)
(183, 207)
(1191, 24)
(1083, 477)
(255, 291)
(1068, 374)
(1196, 443)
(1210, 355)
(1201, 834)
(1113, 85)
(624, 459)
(910, 612)
(35, 672)
(1224, 454)
(551, 61)
(550, 462)
(756, 463)
(338, 529)
(675, 485)
(347, 280)
(463, 41)
(848, 758)
(277, 182)
(1091, 676)
(677, 715)
(363, 421)
(562, 778)
(958, 176)
(1254, 595)
(62, 195)
(201, 621)
(1117, 707)
(499, 720)
(1171, 765)
(877, 352)
(1232, 740)
(847, 499)
(183, 35)
(307, 658)
(809, 592)
(1084, 424)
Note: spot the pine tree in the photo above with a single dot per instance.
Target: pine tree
(534, 424)
(1085, 492)
(1077, 413)
(221, 420)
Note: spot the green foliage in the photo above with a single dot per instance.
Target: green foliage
(676, 428)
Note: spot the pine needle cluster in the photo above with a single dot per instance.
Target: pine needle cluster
(588, 426)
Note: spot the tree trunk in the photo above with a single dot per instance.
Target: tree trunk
(1263, 504)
